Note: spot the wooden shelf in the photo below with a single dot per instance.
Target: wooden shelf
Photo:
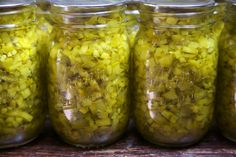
(131, 145)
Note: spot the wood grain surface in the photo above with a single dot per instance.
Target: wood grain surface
(131, 145)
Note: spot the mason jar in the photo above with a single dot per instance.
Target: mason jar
(88, 82)
(21, 106)
(226, 109)
(175, 68)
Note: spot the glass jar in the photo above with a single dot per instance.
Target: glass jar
(133, 18)
(175, 61)
(226, 109)
(89, 72)
(21, 106)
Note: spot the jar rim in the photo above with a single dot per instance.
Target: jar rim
(202, 14)
(71, 13)
(85, 3)
(182, 4)
(85, 10)
(178, 10)
(12, 14)
(6, 4)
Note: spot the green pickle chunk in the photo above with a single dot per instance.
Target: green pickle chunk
(21, 106)
(89, 82)
(174, 80)
(226, 113)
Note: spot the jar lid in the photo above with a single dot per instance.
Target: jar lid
(15, 3)
(85, 3)
(179, 3)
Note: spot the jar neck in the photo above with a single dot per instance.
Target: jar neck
(177, 17)
(89, 18)
(17, 17)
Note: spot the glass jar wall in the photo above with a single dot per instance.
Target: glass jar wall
(133, 17)
(44, 30)
(220, 7)
(175, 68)
(21, 106)
(88, 81)
(226, 109)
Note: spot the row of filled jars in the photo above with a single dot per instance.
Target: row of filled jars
(83, 64)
